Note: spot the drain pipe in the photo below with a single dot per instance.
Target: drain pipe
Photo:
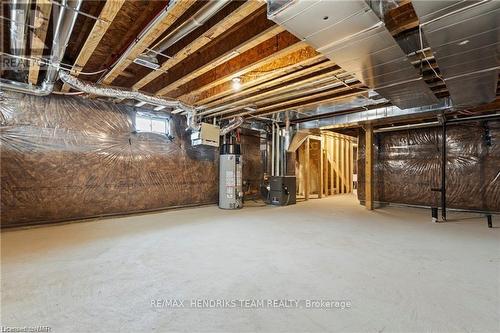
(62, 32)
(277, 151)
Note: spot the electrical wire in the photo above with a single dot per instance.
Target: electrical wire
(425, 58)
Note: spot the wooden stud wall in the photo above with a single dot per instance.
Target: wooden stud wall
(335, 165)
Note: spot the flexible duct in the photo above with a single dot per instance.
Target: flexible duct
(198, 19)
(62, 32)
(233, 124)
(116, 92)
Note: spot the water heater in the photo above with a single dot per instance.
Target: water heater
(230, 177)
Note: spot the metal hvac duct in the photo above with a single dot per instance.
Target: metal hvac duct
(352, 35)
(464, 37)
(62, 32)
(195, 21)
(232, 125)
(148, 59)
(18, 15)
(115, 92)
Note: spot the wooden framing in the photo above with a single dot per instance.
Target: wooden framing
(368, 167)
(174, 12)
(280, 45)
(106, 17)
(41, 23)
(205, 67)
(214, 53)
(239, 41)
(253, 84)
(320, 171)
(332, 170)
(309, 100)
(277, 93)
(307, 171)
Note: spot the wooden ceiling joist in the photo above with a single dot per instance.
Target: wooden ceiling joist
(272, 62)
(277, 46)
(229, 21)
(106, 17)
(257, 29)
(308, 100)
(175, 10)
(292, 66)
(286, 89)
(41, 24)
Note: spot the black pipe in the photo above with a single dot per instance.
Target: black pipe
(443, 170)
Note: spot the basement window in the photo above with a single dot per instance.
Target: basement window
(151, 123)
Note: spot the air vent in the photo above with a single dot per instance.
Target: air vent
(147, 61)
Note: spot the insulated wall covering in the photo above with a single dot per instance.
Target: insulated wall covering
(407, 164)
(66, 158)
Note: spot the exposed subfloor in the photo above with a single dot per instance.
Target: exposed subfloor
(401, 272)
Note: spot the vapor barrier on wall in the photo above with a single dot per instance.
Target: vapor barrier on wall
(66, 158)
(407, 164)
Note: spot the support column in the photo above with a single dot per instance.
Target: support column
(320, 171)
(332, 174)
(342, 167)
(337, 171)
(351, 165)
(325, 165)
(369, 167)
(307, 168)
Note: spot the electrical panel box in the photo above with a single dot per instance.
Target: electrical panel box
(282, 190)
(207, 135)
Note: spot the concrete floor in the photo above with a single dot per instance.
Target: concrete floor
(401, 272)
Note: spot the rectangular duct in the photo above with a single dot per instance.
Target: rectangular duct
(352, 35)
(463, 36)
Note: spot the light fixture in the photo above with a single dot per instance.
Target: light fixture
(463, 42)
(236, 83)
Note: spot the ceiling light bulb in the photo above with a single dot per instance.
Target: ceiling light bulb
(236, 83)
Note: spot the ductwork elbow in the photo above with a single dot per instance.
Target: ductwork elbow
(232, 125)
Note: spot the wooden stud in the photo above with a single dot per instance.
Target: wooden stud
(307, 168)
(342, 166)
(320, 167)
(325, 165)
(332, 173)
(41, 24)
(337, 164)
(368, 167)
(351, 165)
(106, 17)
